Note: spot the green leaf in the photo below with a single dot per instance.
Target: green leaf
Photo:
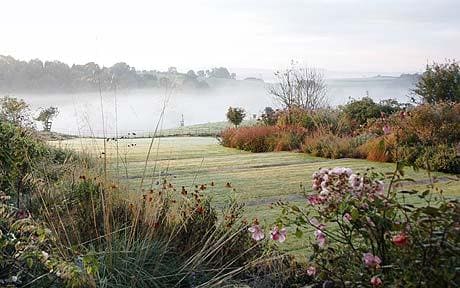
(298, 233)
(432, 211)
(295, 208)
(354, 213)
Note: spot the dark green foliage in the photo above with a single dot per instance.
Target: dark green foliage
(18, 155)
(269, 117)
(362, 110)
(236, 115)
(29, 255)
(438, 158)
(440, 82)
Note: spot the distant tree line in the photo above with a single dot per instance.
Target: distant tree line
(55, 76)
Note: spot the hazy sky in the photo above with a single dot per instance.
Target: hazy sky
(339, 35)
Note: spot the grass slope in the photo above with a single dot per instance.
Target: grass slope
(257, 179)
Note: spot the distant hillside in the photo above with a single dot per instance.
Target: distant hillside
(36, 76)
(377, 87)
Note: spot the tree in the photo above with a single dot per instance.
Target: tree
(300, 87)
(236, 115)
(440, 82)
(46, 115)
(15, 111)
(201, 74)
(220, 72)
(191, 74)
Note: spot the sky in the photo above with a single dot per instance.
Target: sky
(381, 36)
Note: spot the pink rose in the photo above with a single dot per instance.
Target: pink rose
(376, 281)
(320, 238)
(400, 240)
(257, 232)
(311, 271)
(314, 200)
(386, 129)
(278, 235)
(347, 217)
(371, 261)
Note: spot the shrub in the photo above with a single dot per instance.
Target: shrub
(380, 149)
(360, 111)
(295, 116)
(430, 124)
(437, 158)
(440, 82)
(15, 111)
(263, 138)
(365, 233)
(270, 116)
(327, 145)
(254, 139)
(331, 121)
(20, 152)
(235, 115)
(289, 138)
(29, 254)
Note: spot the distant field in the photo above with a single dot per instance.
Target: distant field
(210, 129)
(258, 179)
(205, 129)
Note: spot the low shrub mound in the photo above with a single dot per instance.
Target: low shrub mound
(327, 145)
(264, 138)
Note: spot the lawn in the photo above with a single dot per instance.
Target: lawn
(257, 179)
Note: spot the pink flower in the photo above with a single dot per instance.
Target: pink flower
(347, 217)
(341, 171)
(376, 281)
(400, 240)
(371, 261)
(257, 232)
(355, 181)
(311, 271)
(337, 170)
(386, 129)
(313, 221)
(278, 235)
(320, 238)
(348, 171)
(380, 189)
(314, 200)
(324, 192)
(22, 214)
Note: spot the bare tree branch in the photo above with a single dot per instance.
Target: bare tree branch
(300, 87)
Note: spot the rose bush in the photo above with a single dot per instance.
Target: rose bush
(370, 234)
